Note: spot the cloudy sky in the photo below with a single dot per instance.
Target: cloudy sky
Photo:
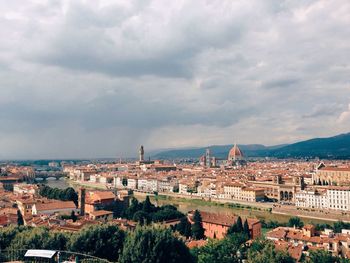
(99, 78)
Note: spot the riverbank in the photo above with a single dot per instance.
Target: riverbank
(185, 203)
(331, 216)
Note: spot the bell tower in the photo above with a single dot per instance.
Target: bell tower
(141, 154)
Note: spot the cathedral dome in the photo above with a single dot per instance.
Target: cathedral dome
(235, 153)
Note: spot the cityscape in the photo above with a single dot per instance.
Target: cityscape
(175, 131)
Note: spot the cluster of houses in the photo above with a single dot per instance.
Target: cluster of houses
(300, 241)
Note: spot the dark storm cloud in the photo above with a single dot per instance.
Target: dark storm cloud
(98, 78)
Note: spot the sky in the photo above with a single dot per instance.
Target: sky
(90, 79)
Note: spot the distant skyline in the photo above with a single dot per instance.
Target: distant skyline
(89, 79)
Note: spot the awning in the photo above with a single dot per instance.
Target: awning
(40, 253)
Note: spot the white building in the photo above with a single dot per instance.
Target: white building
(311, 199)
(132, 183)
(25, 189)
(165, 186)
(335, 198)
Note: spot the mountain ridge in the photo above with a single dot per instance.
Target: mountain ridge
(335, 147)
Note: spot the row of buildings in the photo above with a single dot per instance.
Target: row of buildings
(300, 241)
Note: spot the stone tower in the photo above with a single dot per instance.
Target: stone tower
(142, 154)
(82, 201)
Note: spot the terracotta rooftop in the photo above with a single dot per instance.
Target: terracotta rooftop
(55, 205)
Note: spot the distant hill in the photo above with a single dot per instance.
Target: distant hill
(219, 151)
(336, 147)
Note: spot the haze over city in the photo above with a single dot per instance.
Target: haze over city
(84, 79)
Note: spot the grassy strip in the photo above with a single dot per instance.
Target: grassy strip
(209, 203)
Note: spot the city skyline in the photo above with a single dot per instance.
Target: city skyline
(97, 79)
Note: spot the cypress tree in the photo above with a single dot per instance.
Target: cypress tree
(20, 220)
(246, 228)
(147, 205)
(239, 225)
(197, 227)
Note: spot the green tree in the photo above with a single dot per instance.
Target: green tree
(263, 251)
(141, 217)
(184, 227)
(246, 228)
(151, 245)
(295, 221)
(239, 225)
(147, 205)
(7, 235)
(104, 241)
(197, 226)
(20, 220)
(232, 229)
(73, 216)
(222, 251)
(321, 256)
(38, 237)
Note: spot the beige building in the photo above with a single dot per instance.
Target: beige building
(239, 192)
(332, 176)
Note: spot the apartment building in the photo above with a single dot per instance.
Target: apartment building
(239, 192)
(334, 197)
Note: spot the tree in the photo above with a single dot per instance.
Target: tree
(132, 209)
(263, 251)
(39, 237)
(239, 225)
(246, 228)
(73, 216)
(147, 205)
(221, 251)
(295, 222)
(232, 229)
(197, 226)
(20, 220)
(141, 217)
(152, 245)
(184, 227)
(104, 241)
(321, 256)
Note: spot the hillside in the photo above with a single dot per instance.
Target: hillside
(333, 147)
(219, 151)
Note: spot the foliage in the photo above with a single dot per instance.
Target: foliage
(295, 222)
(68, 194)
(72, 216)
(222, 251)
(38, 237)
(271, 224)
(184, 227)
(7, 235)
(263, 251)
(197, 226)
(141, 217)
(20, 220)
(104, 241)
(246, 228)
(146, 212)
(150, 245)
(321, 256)
(339, 225)
(237, 227)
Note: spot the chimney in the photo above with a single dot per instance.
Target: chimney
(82, 201)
